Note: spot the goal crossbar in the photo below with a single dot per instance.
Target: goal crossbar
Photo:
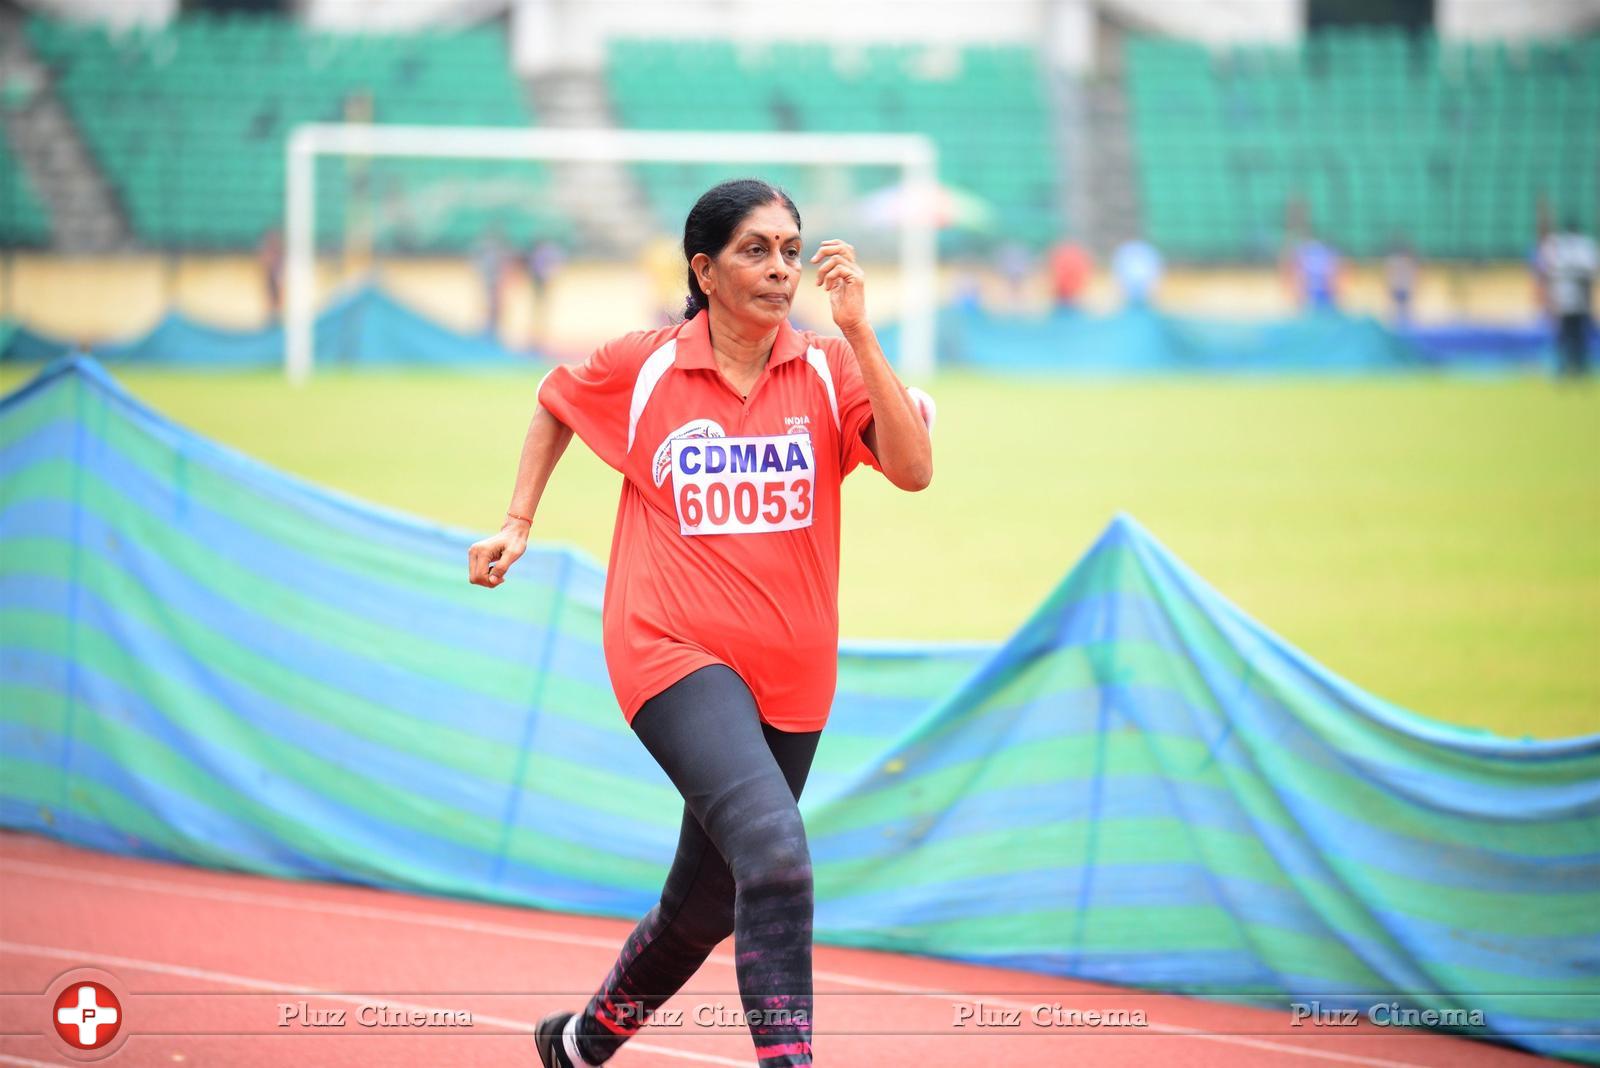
(913, 153)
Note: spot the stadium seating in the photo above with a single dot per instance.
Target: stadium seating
(188, 122)
(1382, 136)
(984, 107)
(22, 218)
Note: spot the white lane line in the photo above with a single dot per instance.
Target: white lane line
(277, 987)
(334, 908)
(6, 1058)
(393, 915)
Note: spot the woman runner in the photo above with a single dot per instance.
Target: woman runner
(732, 430)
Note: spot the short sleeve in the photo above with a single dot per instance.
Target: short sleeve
(855, 412)
(593, 397)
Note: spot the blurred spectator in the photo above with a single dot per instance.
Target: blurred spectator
(542, 262)
(1315, 270)
(1400, 276)
(1138, 268)
(1014, 262)
(1568, 261)
(269, 256)
(785, 116)
(1069, 273)
(358, 105)
(491, 260)
(669, 277)
(967, 292)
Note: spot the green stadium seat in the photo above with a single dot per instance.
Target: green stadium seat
(188, 120)
(989, 119)
(1447, 144)
(23, 220)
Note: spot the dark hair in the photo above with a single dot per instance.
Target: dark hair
(714, 217)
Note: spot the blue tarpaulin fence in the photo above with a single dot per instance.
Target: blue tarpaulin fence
(1143, 340)
(364, 328)
(204, 659)
(369, 328)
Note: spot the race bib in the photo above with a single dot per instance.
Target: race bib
(743, 485)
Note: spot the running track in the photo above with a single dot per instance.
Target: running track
(206, 960)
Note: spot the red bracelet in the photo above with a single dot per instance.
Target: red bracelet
(524, 518)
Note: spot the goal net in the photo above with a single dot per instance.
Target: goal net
(360, 195)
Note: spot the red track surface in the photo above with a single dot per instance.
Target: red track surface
(206, 960)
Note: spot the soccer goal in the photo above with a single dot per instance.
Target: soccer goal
(908, 160)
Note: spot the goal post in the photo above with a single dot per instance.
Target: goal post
(914, 155)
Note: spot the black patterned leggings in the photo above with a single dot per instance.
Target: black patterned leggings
(742, 868)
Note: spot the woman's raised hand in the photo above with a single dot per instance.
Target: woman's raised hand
(489, 560)
(845, 282)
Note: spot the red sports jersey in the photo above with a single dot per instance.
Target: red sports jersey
(726, 547)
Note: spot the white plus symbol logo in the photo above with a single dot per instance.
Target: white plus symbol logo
(83, 1010)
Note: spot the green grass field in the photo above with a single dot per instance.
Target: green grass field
(1435, 541)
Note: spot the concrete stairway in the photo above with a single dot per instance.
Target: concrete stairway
(603, 199)
(83, 210)
(1109, 175)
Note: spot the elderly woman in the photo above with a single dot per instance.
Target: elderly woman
(732, 431)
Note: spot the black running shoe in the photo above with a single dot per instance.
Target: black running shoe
(547, 1040)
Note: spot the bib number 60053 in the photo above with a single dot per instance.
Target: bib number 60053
(743, 485)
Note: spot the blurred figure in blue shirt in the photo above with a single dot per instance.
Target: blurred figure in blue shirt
(1138, 267)
(1568, 260)
(1316, 272)
(1400, 277)
(1310, 267)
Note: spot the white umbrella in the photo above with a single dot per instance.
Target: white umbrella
(945, 206)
